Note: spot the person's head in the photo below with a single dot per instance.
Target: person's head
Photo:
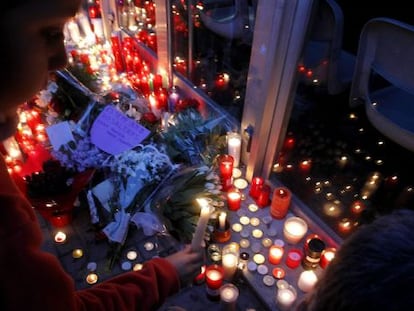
(32, 45)
(373, 269)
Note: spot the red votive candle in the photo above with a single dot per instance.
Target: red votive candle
(234, 200)
(214, 280)
(262, 199)
(256, 183)
(278, 273)
(280, 202)
(275, 254)
(225, 166)
(293, 258)
(327, 256)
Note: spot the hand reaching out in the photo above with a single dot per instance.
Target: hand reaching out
(188, 263)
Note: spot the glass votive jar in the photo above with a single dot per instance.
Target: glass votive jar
(230, 259)
(225, 162)
(234, 199)
(275, 254)
(328, 254)
(214, 277)
(293, 258)
(307, 280)
(263, 196)
(255, 185)
(294, 229)
(229, 294)
(286, 297)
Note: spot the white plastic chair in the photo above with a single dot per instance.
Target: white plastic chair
(384, 78)
(229, 19)
(325, 64)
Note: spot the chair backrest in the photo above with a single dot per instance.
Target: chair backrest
(330, 65)
(386, 47)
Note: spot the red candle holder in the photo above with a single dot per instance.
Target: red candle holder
(214, 280)
(225, 162)
(262, 199)
(275, 254)
(222, 235)
(327, 256)
(280, 202)
(234, 200)
(294, 258)
(256, 183)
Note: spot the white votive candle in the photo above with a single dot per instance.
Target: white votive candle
(234, 147)
(229, 294)
(286, 297)
(294, 229)
(60, 237)
(307, 280)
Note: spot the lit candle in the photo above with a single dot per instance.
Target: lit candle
(286, 297)
(275, 254)
(60, 237)
(240, 183)
(234, 147)
(327, 256)
(229, 294)
(200, 230)
(214, 277)
(132, 255)
(278, 273)
(256, 183)
(307, 280)
(357, 207)
(234, 200)
(222, 220)
(280, 202)
(226, 166)
(91, 278)
(230, 259)
(294, 229)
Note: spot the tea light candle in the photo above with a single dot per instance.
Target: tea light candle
(327, 256)
(234, 200)
(234, 147)
(278, 273)
(237, 227)
(259, 259)
(286, 297)
(244, 243)
(237, 172)
(77, 253)
(222, 220)
(345, 225)
(240, 183)
(229, 294)
(226, 166)
(293, 258)
(275, 254)
(244, 220)
(280, 202)
(256, 183)
(257, 233)
(294, 229)
(60, 237)
(253, 207)
(357, 207)
(91, 278)
(200, 230)
(132, 255)
(307, 280)
(254, 221)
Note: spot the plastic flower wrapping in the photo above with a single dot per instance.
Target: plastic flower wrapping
(148, 169)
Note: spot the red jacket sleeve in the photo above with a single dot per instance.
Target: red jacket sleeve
(34, 280)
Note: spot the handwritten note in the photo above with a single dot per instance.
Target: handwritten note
(114, 132)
